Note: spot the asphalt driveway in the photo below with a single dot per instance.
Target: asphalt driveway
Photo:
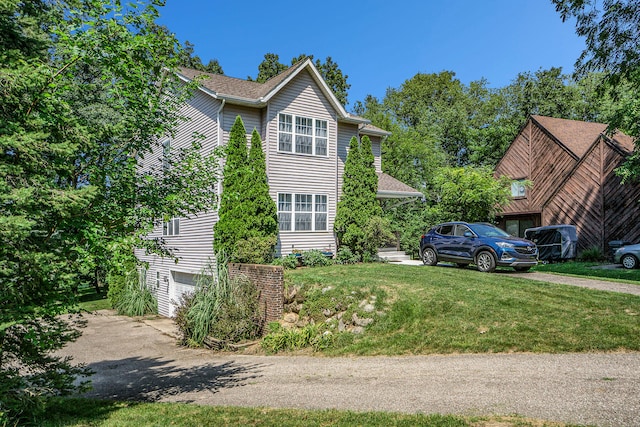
(139, 360)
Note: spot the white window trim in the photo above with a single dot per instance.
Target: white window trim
(313, 135)
(517, 185)
(313, 213)
(169, 227)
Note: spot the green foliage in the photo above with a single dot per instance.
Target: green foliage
(134, 298)
(255, 249)
(189, 59)
(248, 226)
(358, 203)
(315, 258)
(85, 93)
(611, 32)
(223, 308)
(281, 339)
(345, 256)
(592, 254)
(463, 311)
(467, 194)
(289, 262)
(329, 70)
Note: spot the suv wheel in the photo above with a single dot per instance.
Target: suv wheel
(429, 256)
(485, 262)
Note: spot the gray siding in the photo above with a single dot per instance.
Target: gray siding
(305, 174)
(193, 247)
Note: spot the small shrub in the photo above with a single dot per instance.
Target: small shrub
(289, 262)
(315, 258)
(281, 339)
(346, 256)
(593, 254)
(255, 250)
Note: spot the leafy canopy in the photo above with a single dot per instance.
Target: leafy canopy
(87, 92)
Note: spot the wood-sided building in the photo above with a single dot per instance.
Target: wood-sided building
(570, 168)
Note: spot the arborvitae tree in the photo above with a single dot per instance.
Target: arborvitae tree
(262, 214)
(232, 225)
(358, 204)
(247, 228)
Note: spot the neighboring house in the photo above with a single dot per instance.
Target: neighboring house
(305, 133)
(571, 166)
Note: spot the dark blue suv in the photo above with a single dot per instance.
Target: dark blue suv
(479, 243)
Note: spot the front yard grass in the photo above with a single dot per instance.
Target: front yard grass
(593, 270)
(444, 310)
(88, 412)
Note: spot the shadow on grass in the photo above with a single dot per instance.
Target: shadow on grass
(152, 379)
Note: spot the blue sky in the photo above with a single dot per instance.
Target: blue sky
(380, 44)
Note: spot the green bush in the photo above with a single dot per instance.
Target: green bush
(281, 339)
(346, 256)
(315, 258)
(255, 250)
(593, 254)
(289, 262)
(117, 280)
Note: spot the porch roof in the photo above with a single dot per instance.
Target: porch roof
(391, 188)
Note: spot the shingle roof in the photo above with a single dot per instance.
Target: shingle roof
(237, 88)
(578, 136)
(390, 188)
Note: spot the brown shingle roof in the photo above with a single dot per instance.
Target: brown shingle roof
(232, 87)
(390, 188)
(578, 136)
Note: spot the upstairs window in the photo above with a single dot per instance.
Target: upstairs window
(302, 135)
(518, 188)
(171, 227)
(302, 212)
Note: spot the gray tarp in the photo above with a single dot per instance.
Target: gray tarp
(555, 242)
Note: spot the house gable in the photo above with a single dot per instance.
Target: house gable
(572, 166)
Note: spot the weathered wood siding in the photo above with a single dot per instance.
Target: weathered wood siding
(515, 165)
(621, 209)
(298, 173)
(579, 202)
(550, 166)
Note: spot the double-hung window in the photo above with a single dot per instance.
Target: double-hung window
(302, 135)
(302, 212)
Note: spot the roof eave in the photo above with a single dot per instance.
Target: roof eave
(385, 194)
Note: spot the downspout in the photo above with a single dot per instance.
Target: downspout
(220, 130)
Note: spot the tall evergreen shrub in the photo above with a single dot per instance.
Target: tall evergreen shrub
(358, 204)
(247, 228)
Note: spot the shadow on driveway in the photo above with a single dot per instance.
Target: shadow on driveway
(152, 379)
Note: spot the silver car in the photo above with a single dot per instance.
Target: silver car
(628, 256)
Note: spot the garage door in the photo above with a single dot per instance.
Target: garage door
(181, 283)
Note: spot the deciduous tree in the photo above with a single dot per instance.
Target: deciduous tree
(85, 93)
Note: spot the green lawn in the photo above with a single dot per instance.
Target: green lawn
(85, 412)
(441, 310)
(420, 310)
(593, 270)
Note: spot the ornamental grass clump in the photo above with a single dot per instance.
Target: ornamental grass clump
(135, 298)
(222, 308)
